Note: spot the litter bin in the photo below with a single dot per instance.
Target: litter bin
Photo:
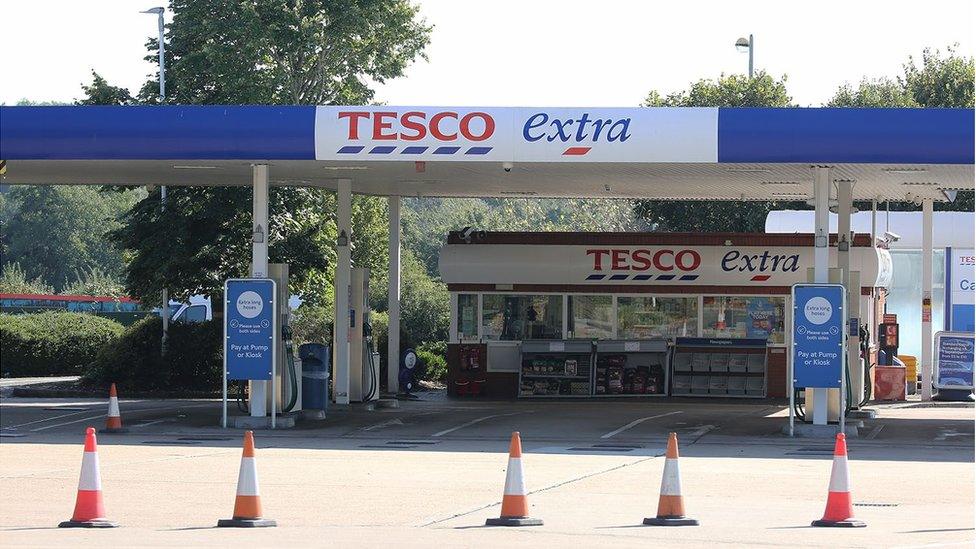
(315, 376)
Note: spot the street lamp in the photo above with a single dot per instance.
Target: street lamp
(159, 11)
(746, 45)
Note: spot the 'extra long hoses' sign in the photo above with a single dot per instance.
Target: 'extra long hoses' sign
(689, 265)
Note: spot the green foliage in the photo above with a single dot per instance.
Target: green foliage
(193, 360)
(13, 280)
(57, 231)
(94, 282)
(100, 92)
(52, 343)
(434, 356)
(426, 221)
(311, 323)
(941, 81)
(882, 92)
(425, 305)
(313, 52)
(734, 90)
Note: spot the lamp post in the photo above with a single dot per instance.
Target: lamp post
(746, 45)
(159, 11)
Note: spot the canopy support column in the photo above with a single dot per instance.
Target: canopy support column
(927, 299)
(845, 240)
(343, 276)
(393, 300)
(821, 258)
(259, 266)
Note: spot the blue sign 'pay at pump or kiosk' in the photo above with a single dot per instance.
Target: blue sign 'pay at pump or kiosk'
(954, 360)
(819, 321)
(249, 328)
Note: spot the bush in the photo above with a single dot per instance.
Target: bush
(434, 356)
(53, 342)
(194, 359)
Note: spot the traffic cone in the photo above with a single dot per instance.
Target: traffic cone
(840, 510)
(247, 506)
(114, 422)
(671, 504)
(89, 508)
(515, 504)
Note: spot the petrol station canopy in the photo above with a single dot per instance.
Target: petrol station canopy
(666, 153)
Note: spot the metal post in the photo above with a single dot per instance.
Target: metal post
(343, 277)
(393, 300)
(821, 256)
(751, 47)
(927, 299)
(874, 222)
(845, 204)
(259, 265)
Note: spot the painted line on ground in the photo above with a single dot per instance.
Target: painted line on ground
(47, 419)
(148, 423)
(472, 422)
(874, 432)
(382, 424)
(637, 422)
(103, 415)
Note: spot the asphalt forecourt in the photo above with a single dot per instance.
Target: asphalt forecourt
(170, 483)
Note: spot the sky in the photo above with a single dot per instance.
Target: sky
(533, 52)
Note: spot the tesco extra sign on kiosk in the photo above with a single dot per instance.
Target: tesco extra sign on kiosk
(454, 134)
(666, 265)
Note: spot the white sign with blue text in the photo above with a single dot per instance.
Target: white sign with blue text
(819, 341)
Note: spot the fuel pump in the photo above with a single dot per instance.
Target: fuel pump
(364, 370)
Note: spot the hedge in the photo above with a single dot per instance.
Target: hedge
(193, 360)
(52, 343)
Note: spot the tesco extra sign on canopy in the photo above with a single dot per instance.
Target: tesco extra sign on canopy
(515, 134)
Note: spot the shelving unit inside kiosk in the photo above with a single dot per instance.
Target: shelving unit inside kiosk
(556, 369)
(631, 368)
(719, 367)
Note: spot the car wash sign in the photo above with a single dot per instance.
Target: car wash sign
(249, 328)
(819, 340)
(474, 134)
(954, 360)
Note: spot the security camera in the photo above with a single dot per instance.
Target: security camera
(507, 166)
(892, 237)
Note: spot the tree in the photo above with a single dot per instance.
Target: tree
(265, 52)
(13, 280)
(299, 53)
(57, 231)
(100, 92)
(734, 90)
(882, 92)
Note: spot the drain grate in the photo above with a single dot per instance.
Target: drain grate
(170, 442)
(811, 451)
(387, 446)
(414, 442)
(13, 435)
(205, 438)
(863, 504)
(620, 446)
(601, 449)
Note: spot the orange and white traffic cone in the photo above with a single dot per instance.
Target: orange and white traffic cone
(247, 506)
(671, 504)
(840, 508)
(515, 504)
(114, 422)
(89, 508)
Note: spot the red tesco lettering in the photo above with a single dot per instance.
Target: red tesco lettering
(415, 126)
(643, 259)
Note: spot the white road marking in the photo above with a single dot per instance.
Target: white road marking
(874, 432)
(148, 423)
(949, 433)
(701, 430)
(102, 415)
(635, 423)
(382, 424)
(47, 419)
(470, 423)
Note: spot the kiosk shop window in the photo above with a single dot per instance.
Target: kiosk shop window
(517, 317)
(591, 316)
(648, 317)
(744, 317)
(467, 316)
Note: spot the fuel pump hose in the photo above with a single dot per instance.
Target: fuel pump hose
(286, 334)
